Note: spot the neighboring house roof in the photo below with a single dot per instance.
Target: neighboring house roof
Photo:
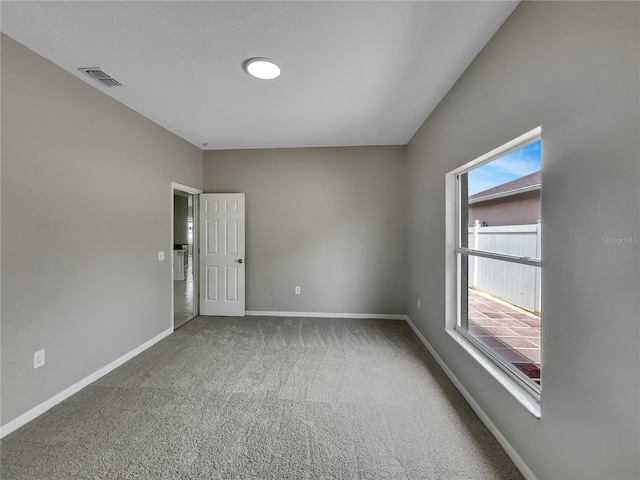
(524, 184)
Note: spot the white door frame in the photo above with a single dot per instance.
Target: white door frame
(196, 247)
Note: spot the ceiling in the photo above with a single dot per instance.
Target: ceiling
(353, 73)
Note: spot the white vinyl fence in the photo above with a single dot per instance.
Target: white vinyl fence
(515, 283)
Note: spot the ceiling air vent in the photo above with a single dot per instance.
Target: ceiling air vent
(100, 75)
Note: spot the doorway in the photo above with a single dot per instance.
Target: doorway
(184, 254)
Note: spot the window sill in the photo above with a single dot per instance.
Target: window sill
(524, 397)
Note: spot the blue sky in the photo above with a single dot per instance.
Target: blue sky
(504, 169)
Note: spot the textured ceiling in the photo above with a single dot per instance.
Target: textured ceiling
(353, 73)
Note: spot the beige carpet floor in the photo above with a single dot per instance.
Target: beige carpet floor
(265, 398)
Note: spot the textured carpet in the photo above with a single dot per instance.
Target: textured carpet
(265, 398)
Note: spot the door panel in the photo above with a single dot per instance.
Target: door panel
(212, 237)
(222, 265)
(211, 283)
(231, 229)
(232, 284)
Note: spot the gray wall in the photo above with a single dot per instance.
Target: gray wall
(180, 219)
(572, 68)
(86, 192)
(331, 220)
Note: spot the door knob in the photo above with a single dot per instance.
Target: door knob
(239, 260)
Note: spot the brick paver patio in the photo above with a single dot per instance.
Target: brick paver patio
(511, 332)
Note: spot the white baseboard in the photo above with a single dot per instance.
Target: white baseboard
(76, 387)
(256, 313)
(511, 452)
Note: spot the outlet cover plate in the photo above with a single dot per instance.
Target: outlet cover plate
(38, 359)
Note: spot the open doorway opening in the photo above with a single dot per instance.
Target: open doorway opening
(184, 254)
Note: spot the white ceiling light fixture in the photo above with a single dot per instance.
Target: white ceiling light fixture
(262, 68)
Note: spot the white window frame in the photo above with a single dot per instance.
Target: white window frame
(506, 374)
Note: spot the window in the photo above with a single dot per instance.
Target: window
(494, 259)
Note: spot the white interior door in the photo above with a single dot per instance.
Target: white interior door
(222, 264)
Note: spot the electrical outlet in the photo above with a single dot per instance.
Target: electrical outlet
(38, 359)
(418, 303)
(297, 290)
(160, 256)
